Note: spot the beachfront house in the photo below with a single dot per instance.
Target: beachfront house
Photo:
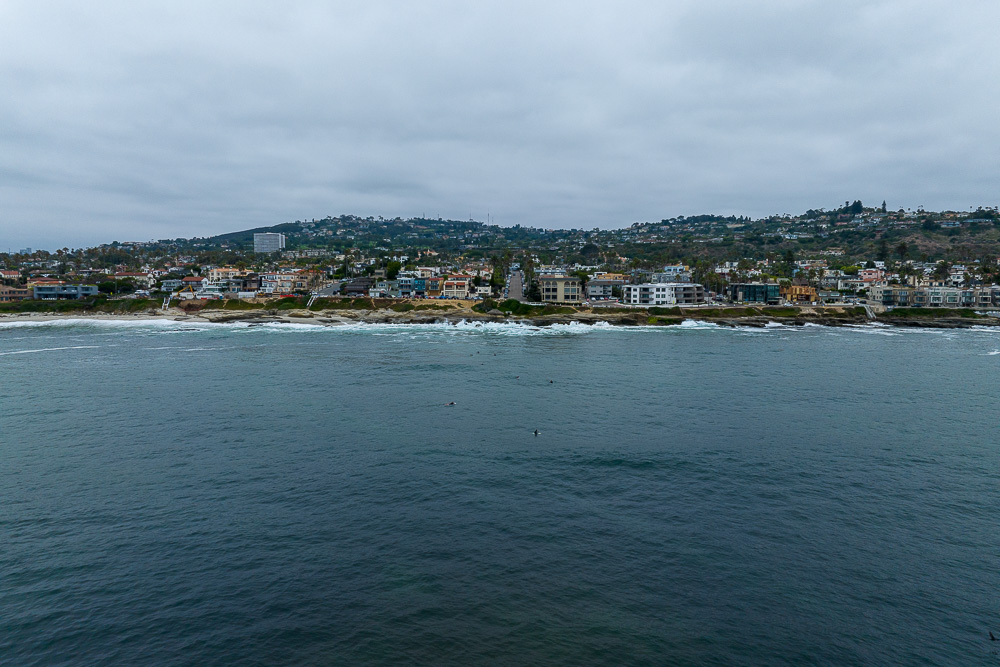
(663, 294)
(54, 292)
(602, 289)
(194, 282)
(765, 293)
(8, 293)
(457, 287)
(171, 285)
(560, 289)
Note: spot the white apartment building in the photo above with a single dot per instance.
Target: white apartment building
(663, 294)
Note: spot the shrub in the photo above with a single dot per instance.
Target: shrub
(726, 312)
(659, 310)
(515, 307)
(557, 310)
(486, 305)
(236, 304)
(289, 303)
(402, 307)
(782, 312)
(29, 306)
(931, 312)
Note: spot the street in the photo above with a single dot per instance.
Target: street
(516, 290)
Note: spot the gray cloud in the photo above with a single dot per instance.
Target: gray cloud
(132, 121)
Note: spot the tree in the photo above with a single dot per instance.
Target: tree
(506, 260)
(392, 269)
(116, 287)
(528, 267)
(534, 292)
(942, 270)
(497, 278)
(902, 250)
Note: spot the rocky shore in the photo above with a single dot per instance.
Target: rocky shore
(464, 311)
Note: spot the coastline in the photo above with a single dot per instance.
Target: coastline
(453, 313)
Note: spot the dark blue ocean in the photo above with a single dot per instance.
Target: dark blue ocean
(191, 494)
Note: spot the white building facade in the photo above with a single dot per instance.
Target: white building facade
(663, 294)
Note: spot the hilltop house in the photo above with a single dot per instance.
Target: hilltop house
(146, 280)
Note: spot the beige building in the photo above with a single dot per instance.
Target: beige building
(560, 289)
(799, 293)
(224, 273)
(14, 293)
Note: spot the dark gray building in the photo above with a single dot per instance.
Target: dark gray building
(52, 292)
(359, 286)
(766, 293)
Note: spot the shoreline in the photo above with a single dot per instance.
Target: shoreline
(735, 316)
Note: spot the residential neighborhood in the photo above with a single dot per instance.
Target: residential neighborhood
(853, 254)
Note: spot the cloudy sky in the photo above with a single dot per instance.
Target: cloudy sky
(139, 120)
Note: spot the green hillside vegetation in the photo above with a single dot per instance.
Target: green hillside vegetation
(938, 313)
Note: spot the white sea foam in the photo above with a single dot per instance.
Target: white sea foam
(467, 327)
(50, 349)
(91, 327)
(697, 324)
(101, 323)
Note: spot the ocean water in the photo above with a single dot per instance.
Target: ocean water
(191, 494)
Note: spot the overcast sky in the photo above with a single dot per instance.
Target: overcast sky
(138, 120)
